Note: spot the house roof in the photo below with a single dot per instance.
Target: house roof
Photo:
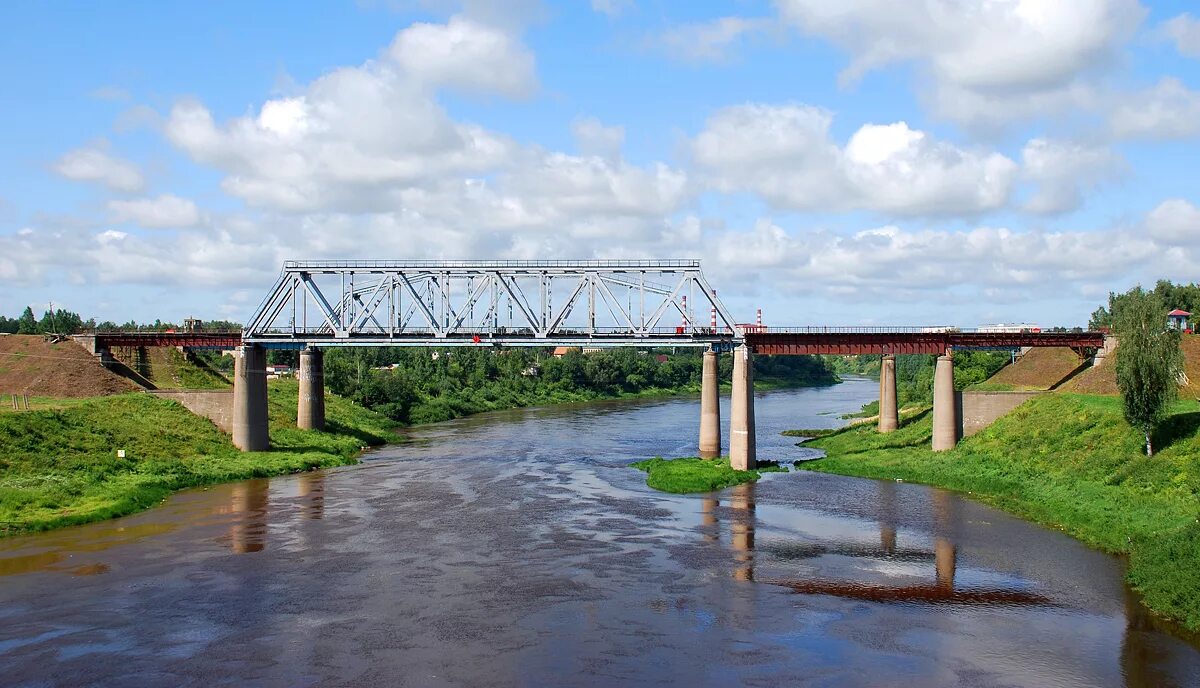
(1178, 312)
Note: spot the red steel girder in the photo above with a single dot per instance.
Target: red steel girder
(853, 343)
(212, 340)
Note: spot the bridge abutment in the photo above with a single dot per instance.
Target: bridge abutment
(741, 411)
(250, 432)
(310, 412)
(889, 413)
(945, 406)
(710, 408)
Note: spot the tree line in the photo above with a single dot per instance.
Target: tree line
(914, 372)
(423, 385)
(62, 321)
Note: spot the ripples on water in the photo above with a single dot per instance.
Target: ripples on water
(517, 548)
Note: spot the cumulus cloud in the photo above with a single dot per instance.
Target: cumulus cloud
(1020, 55)
(466, 55)
(95, 164)
(1184, 31)
(1174, 221)
(160, 212)
(593, 137)
(709, 41)
(787, 155)
(1062, 171)
(1169, 110)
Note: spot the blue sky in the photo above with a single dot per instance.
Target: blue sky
(851, 162)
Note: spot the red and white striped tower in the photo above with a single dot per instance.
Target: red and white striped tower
(758, 319)
(684, 310)
(713, 314)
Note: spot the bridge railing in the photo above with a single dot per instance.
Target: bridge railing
(486, 264)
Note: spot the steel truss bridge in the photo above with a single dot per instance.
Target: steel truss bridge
(585, 303)
(508, 303)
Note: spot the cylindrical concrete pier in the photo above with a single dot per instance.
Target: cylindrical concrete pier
(945, 410)
(741, 411)
(310, 414)
(710, 408)
(889, 413)
(250, 431)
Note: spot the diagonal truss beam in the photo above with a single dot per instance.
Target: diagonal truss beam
(606, 303)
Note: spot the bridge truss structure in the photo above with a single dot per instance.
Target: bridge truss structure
(509, 303)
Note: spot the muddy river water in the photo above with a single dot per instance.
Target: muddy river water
(518, 549)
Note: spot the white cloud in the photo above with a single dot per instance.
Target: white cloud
(1184, 31)
(709, 40)
(1032, 52)
(1062, 171)
(466, 55)
(1169, 110)
(94, 164)
(163, 211)
(786, 155)
(592, 137)
(1174, 221)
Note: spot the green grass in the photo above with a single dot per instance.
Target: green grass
(59, 466)
(682, 476)
(996, 387)
(1070, 462)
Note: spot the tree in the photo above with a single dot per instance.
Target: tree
(27, 324)
(1149, 361)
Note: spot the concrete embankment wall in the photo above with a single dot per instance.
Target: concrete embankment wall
(215, 405)
(981, 409)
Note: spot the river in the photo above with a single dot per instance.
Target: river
(516, 548)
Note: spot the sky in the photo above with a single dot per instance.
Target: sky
(833, 162)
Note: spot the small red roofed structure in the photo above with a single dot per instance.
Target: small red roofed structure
(1178, 319)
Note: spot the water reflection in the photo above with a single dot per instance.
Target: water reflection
(742, 503)
(312, 495)
(944, 555)
(248, 503)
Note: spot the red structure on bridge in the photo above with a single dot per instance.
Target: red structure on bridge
(855, 341)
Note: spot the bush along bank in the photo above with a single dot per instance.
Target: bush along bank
(60, 466)
(686, 475)
(1071, 462)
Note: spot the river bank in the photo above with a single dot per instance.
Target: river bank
(60, 466)
(1067, 461)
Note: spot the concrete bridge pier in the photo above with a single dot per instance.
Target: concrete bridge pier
(945, 406)
(741, 411)
(310, 413)
(889, 412)
(250, 431)
(710, 408)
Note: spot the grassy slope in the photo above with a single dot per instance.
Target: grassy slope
(59, 466)
(682, 476)
(1068, 461)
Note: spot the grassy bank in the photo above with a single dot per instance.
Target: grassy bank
(682, 476)
(59, 466)
(1071, 462)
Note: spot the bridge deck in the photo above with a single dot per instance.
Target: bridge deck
(841, 341)
(782, 343)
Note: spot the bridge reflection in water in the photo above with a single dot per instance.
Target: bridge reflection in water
(249, 504)
(944, 555)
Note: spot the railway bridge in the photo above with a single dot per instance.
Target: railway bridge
(545, 303)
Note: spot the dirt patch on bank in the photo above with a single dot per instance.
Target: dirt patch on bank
(31, 365)
(1103, 380)
(1039, 368)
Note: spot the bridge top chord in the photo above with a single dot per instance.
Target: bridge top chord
(301, 265)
